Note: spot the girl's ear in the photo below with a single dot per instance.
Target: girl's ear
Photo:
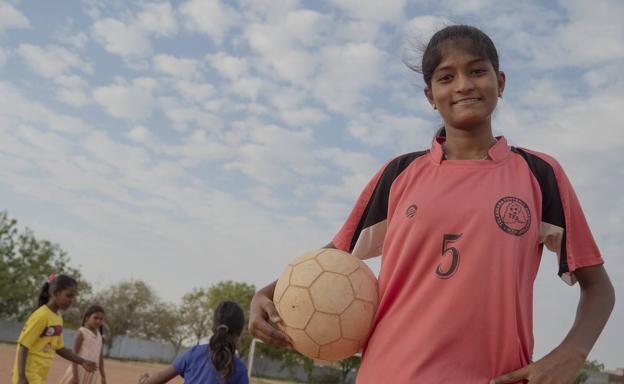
(501, 83)
(429, 96)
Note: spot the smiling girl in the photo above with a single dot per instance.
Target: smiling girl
(461, 228)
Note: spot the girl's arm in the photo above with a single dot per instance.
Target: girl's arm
(22, 354)
(67, 354)
(77, 345)
(102, 374)
(161, 377)
(593, 311)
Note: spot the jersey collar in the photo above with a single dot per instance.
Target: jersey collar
(497, 152)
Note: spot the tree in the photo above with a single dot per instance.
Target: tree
(198, 307)
(240, 293)
(589, 366)
(197, 314)
(167, 324)
(25, 264)
(347, 365)
(130, 308)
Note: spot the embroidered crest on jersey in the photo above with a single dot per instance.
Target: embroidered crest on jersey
(54, 330)
(410, 212)
(512, 215)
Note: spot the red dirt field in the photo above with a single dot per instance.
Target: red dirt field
(117, 372)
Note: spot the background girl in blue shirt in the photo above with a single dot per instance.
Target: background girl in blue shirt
(213, 363)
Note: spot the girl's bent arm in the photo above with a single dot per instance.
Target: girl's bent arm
(22, 354)
(77, 345)
(67, 354)
(161, 377)
(594, 308)
(102, 374)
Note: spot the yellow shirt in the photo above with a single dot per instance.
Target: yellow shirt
(43, 336)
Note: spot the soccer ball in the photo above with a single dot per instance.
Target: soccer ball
(327, 300)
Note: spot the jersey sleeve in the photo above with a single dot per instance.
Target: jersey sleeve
(577, 247)
(241, 373)
(33, 329)
(364, 231)
(564, 229)
(59, 342)
(180, 364)
(361, 227)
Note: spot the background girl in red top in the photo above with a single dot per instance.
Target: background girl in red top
(461, 227)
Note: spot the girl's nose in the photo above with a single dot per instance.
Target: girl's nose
(464, 83)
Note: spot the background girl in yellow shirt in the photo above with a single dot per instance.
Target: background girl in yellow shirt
(42, 335)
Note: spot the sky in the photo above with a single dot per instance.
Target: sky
(185, 143)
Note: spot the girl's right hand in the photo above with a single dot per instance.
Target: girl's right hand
(260, 311)
(74, 380)
(89, 366)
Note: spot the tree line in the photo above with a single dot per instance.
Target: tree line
(133, 308)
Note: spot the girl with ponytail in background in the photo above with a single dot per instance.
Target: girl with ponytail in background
(42, 335)
(213, 363)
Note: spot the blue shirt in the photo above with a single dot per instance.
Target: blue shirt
(196, 367)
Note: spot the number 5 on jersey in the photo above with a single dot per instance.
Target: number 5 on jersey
(444, 271)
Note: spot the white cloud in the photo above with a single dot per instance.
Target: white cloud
(140, 134)
(270, 147)
(228, 66)
(74, 97)
(347, 72)
(132, 101)
(11, 18)
(211, 17)
(286, 44)
(389, 10)
(248, 87)
(194, 91)
(303, 117)
(177, 67)
(157, 19)
(185, 117)
(52, 61)
(381, 128)
(67, 34)
(461, 7)
(17, 111)
(122, 39)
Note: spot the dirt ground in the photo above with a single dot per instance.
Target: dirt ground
(117, 372)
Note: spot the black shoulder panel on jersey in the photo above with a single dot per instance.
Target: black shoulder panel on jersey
(377, 207)
(552, 207)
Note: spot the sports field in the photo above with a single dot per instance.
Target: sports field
(117, 372)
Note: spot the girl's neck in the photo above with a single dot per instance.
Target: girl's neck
(468, 145)
(94, 330)
(53, 307)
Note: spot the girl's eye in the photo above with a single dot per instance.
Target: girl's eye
(445, 78)
(479, 71)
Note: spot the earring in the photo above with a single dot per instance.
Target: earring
(434, 106)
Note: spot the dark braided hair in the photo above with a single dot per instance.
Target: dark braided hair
(228, 322)
(469, 38)
(55, 284)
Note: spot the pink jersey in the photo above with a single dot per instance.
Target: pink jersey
(461, 242)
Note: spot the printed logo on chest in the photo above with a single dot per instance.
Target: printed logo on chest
(512, 215)
(410, 212)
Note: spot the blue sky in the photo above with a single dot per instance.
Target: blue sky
(196, 141)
